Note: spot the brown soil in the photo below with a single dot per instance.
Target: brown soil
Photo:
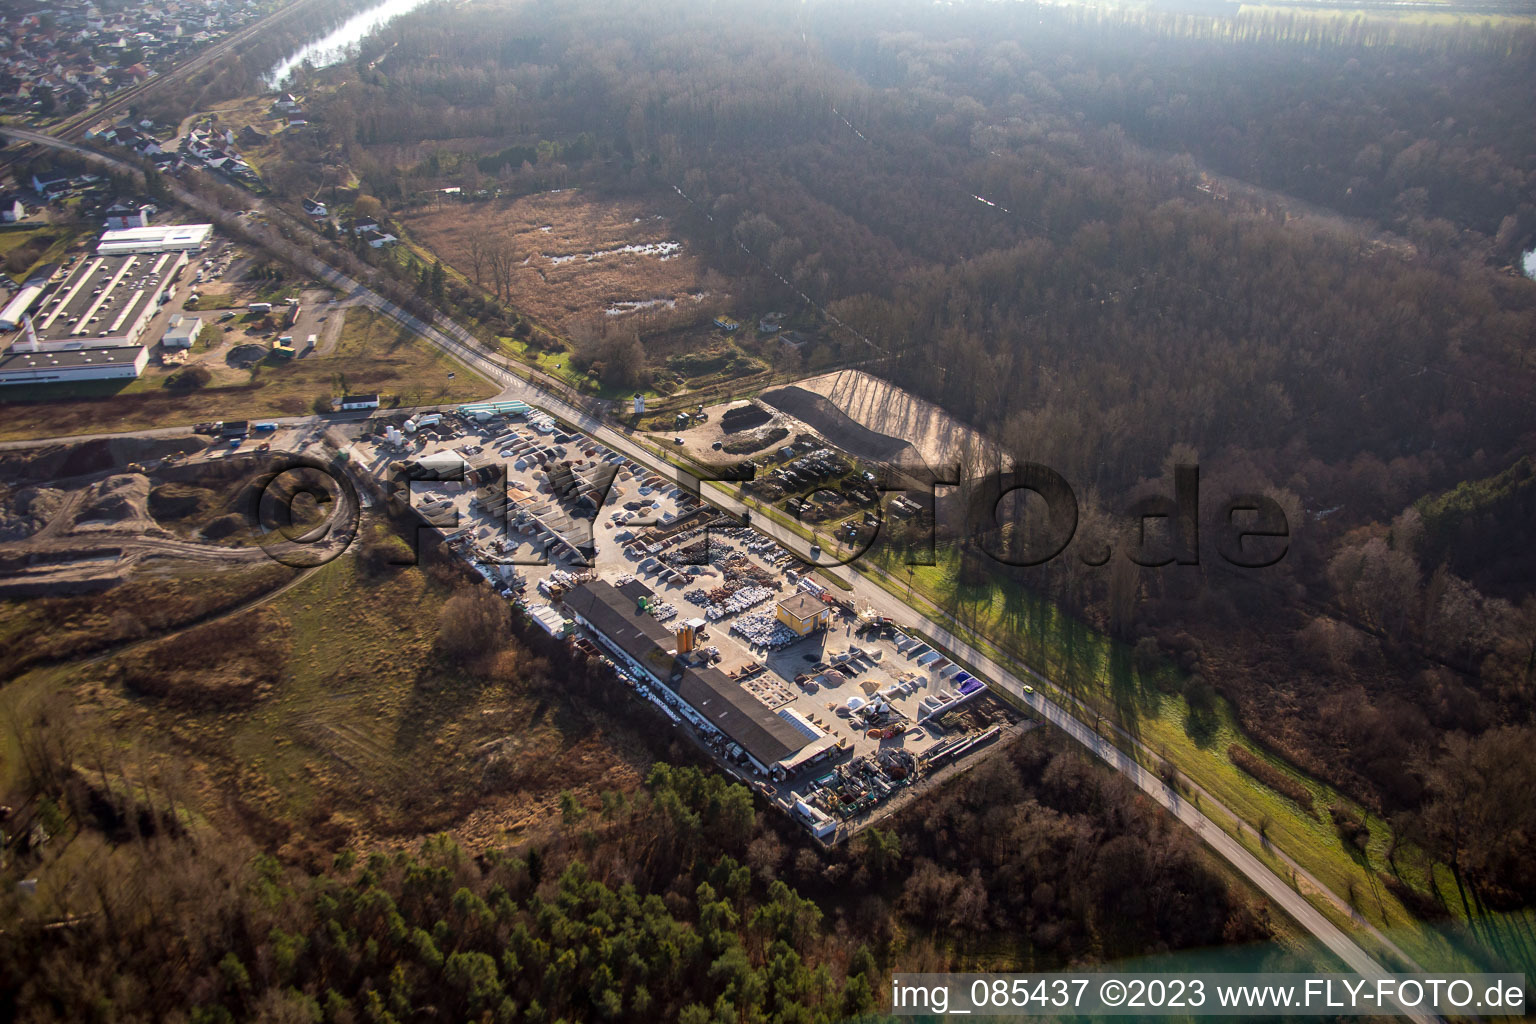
(543, 230)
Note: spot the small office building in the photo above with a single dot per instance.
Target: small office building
(804, 613)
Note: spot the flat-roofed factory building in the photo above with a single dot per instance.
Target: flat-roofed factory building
(157, 239)
(24, 367)
(64, 325)
(102, 302)
(709, 699)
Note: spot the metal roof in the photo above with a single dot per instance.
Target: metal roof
(715, 696)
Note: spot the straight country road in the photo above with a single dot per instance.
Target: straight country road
(456, 341)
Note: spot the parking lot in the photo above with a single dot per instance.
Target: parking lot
(539, 508)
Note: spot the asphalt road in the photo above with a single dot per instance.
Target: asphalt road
(454, 340)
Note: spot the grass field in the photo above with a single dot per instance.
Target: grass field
(359, 730)
(556, 364)
(373, 354)
(367, 713)
(64, 627)
(1101, 673)
(48, 242)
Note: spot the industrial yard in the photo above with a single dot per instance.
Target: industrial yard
(829, 711)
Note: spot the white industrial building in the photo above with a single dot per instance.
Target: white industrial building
(156, 239)
(21, 366)
(182, 332)
(104, 302)
(11, 316)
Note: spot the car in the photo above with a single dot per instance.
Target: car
(226, 317)
(677, 440)
(1028, 688)
(717, 446)
(450, 375)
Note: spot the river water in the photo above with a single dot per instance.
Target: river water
(333, 47)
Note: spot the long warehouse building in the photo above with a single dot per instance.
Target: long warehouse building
(709, 698)
(104, 302)
(24, 367)
(157, 239)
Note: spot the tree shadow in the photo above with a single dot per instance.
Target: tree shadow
(438, 696)
(1125, 688)
(1201, 725)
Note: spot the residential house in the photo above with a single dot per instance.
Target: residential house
(123, 214)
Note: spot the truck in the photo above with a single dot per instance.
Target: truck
(259, 307)
(235, 428)
(264, 428)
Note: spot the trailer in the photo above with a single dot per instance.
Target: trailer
(488, 409)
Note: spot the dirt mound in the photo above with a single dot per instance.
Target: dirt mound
(40, 502)
(174, 501)
(883, 407)
(243, 357)
(61, 461)
(224, 526)
(746, 417)
(755, 442)
(832, 423)
(120, 500)
(28, 511)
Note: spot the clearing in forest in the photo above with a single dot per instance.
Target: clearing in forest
(571, 255)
